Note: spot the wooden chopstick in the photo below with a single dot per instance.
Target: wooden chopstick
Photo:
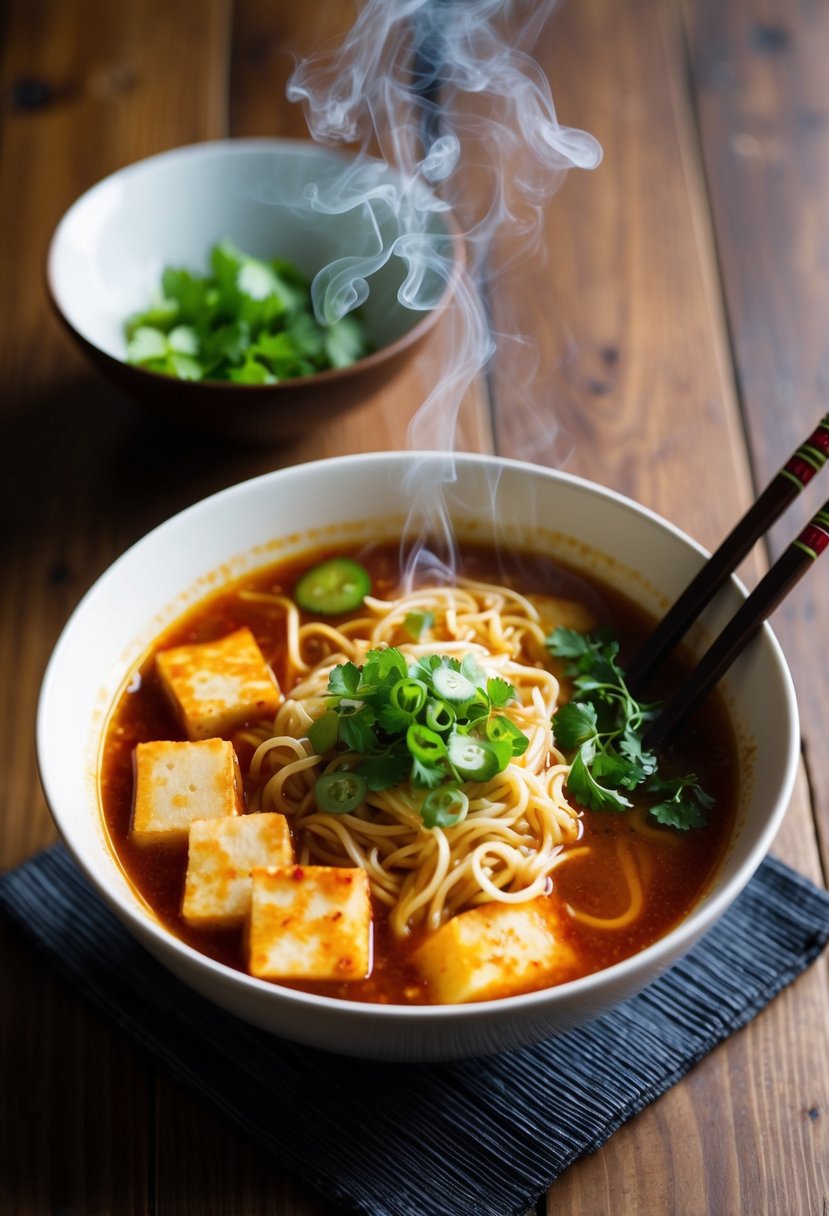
(784, 487)
(786, 571)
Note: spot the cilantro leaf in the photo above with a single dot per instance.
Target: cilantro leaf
(590, 792)
(567, 643)
(683, 802)
(605, 725)
(356, 730)
(344, 680)
(382, 772)
(500, 692)
(427, 775)
(324, 733)
(574, 723)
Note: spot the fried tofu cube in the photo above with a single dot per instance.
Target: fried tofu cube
(221, 857)
(495, 950)
(176, 783)
(310, 923)
(214, 687)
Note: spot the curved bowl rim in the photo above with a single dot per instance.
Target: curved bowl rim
(649, 960)
(233, 147)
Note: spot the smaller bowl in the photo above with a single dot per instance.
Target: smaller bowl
(110, 248)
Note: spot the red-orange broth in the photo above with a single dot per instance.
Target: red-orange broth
(680, 865)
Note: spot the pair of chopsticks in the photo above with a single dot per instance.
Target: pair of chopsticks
(795, 474)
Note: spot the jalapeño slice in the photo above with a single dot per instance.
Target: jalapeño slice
(339, 792)
(333, 587)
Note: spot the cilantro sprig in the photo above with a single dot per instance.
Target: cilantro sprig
(604, 726)
(433, 722)
(248, 320)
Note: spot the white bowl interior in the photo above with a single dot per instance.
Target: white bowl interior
(109, 250)
(296, 508)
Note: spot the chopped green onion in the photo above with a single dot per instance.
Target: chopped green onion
(472, 759)
(339, 792)
(440, 716)
(452, 685)
(409, 696)
(247, 320)
(391, 724)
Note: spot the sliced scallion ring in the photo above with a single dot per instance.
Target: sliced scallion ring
(440, 716)
(472, 759)
(409, 695)
(452, 685)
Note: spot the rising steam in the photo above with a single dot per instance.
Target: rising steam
(447, 93)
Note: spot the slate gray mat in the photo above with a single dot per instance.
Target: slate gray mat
(475, 1138)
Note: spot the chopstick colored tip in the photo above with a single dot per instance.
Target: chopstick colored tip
(810, 457)
(815, 536)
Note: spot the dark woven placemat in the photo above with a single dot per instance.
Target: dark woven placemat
(476, 1138)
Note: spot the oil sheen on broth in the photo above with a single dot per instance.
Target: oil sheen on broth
(673, 868)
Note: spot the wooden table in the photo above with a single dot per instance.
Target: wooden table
(683, 315)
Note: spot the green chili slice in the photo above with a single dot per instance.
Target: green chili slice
(424, 744)
(339, 792)
(445, 807)
(333, 587)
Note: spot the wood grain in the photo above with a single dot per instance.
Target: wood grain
(650, 296)
(759, 75)
(75, 1120)
(660, 346)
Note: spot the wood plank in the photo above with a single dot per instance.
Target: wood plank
(205, 1167)
(74, 1119)
(744, 1133)
(635, 359)
(635, 367)
(91, 88)
(759, 75)
(637, 362)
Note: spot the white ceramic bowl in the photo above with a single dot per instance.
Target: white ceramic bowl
(109, 250)
(369, 496)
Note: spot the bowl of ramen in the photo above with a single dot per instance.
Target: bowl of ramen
(349, 749)
(252, 288)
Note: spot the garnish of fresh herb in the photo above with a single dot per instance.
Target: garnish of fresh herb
(434, 722)
(603, 725)
(249, 321)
